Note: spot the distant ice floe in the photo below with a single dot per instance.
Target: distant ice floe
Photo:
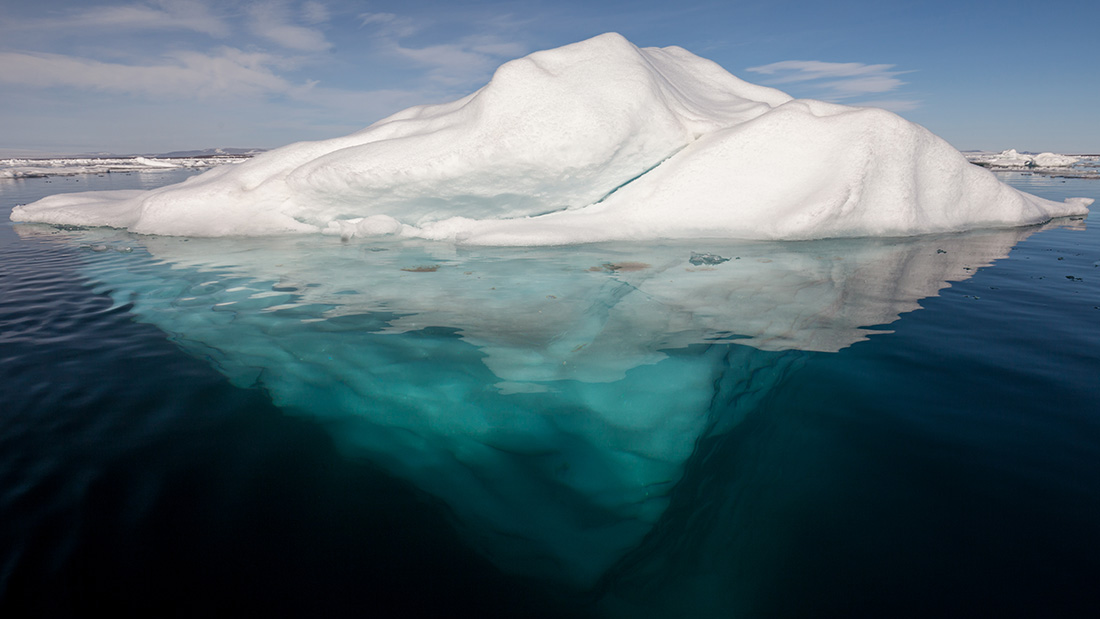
(1013, 159)
(594, 141)
(1087, 166)
(74, 166)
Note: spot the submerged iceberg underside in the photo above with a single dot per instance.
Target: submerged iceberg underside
(594, 141)
(552, 397)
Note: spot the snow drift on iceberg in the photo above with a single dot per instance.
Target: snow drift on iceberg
(594, 141)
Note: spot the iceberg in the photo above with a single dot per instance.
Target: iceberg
(550, 396)
(591, 142)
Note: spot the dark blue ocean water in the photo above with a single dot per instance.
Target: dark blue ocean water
(307, 427)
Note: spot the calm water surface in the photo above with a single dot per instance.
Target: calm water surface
(306, 427)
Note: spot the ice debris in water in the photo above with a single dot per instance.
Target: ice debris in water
(75, 166)
(708, 259)
(595, 141)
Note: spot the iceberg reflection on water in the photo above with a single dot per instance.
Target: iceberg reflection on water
(551, 396)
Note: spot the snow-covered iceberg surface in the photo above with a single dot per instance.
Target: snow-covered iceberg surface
(550, 395)
(594, 141)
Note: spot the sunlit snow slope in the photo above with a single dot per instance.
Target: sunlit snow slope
(594, 141)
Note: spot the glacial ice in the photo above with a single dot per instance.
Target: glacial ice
(549, 395)
(1011, 159)
(594, 141)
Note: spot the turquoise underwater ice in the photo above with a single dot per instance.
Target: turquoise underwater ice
(551, 396)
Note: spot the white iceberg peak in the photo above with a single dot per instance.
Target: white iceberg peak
(594, 141)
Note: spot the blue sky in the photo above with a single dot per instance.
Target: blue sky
(161, 75)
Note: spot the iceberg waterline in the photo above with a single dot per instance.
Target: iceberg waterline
(594, 141)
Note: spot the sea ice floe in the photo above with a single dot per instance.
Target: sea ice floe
(1010, 159)
(74, 166)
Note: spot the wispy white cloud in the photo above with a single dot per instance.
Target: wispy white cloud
(389, 25)
(803, 70)
(188, 75)
(894, 105)
(467, 60)
(272, 21)
(461, 62)
(314, 13)
(838, 81)
(860, 86)
(192, 15)
(274, 64)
